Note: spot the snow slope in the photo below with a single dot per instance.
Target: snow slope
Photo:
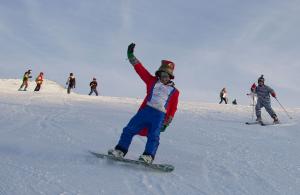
(45, 136)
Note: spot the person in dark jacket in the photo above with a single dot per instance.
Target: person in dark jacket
(93, 86)
(26, 78)
(71, 82)
(234, 102)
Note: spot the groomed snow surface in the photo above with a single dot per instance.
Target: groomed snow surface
(45, 137)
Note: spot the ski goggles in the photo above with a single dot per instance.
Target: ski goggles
(164, 75)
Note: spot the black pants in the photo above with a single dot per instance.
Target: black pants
(223, 99)
(25, 83)
(38, 87)
(69, 89)
(94, 90)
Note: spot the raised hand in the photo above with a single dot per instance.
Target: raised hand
(130, 51)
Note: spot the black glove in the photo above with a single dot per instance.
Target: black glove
(166, 124)
(163, 128)
(130, 51)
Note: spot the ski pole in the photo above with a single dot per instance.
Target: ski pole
(251, 95)
(284, 109)
(253, 110)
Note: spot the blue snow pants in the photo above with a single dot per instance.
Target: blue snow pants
(150, 118)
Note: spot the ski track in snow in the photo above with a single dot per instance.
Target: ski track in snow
(45, 136)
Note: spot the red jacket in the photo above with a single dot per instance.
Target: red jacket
(39, 79)
(150, 81)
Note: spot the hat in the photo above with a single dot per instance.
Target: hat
(261, 78)
(166, 66)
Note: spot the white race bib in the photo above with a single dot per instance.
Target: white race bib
(160, 96)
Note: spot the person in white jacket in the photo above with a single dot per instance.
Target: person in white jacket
(223, 96)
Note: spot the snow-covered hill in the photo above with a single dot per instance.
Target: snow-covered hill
(45, 136)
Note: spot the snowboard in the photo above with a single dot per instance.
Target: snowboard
(154, 166)
(260, 123)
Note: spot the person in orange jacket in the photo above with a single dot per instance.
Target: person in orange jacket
(39, 80)
(156, 111)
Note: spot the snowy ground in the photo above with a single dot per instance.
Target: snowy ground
(45, 136)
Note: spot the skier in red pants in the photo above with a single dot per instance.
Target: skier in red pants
(156, 111)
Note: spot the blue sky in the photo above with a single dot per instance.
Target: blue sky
(214, 44)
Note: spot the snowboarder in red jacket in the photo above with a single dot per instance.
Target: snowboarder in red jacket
(39, 81)
(156, 111)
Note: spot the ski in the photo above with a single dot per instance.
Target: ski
(269, 124)
(158, 167)
(260, 123)
(252, 123)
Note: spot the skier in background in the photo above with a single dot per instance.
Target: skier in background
(93, 86)
(39, 80)
(263, 99)
(26, 78)
(252, 94)
(156, 111)
(234, 102)
(223, 96)
(71, 82)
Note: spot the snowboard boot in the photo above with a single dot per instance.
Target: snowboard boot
(146, 158)
(276, 121)
(116, 153)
